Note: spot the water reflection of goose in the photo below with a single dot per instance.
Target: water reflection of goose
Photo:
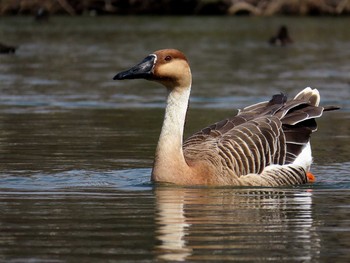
(235, 224)
(266, 144)
(172, 226)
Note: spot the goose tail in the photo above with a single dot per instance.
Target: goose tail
(310, 95)
(298, 119)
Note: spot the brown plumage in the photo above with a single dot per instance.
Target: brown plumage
(282, 37)
(265, 144)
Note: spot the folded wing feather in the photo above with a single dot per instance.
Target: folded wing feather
(263, 134)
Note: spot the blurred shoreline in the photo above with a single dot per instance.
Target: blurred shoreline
(176, 7)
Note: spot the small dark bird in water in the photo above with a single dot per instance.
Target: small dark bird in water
(282, 38)
(42, 15)
(5, 49)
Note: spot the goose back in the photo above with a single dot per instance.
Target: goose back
(269, 133)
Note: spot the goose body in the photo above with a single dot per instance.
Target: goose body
(266, 144)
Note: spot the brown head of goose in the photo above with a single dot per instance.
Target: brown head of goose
(266, 144)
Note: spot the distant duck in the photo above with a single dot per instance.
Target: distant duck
(42, 15)
(5, 49)
(265, 144)
(282, 38)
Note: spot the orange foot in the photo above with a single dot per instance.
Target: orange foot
(311, 177)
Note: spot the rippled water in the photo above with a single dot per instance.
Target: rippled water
(77, 148)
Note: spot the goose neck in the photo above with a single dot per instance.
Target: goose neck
(174, 118)
(169, 155)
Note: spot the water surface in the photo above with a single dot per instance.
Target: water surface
(77, 147)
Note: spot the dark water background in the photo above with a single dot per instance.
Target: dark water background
(77, 147)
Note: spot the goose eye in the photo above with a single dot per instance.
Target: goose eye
(167, 58)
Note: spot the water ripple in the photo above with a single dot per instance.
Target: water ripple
(132, 179)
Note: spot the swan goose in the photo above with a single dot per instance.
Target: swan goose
(266, 144)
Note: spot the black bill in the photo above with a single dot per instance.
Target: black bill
(142, 70)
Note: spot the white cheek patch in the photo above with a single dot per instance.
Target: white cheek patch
(155, 60)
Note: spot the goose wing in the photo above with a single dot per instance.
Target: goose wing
(271, 132)
(242, 146)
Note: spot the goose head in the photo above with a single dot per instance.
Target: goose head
(169, 67)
